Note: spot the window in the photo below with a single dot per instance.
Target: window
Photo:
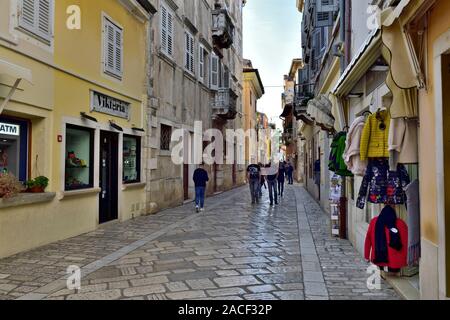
(166, 137)
(131, 159)
(214, 72)
(113, 48)
(79, 158)
(166, 31)
(189, 53)
(14, 147)
(202, 58)
(36, 17)
(225, 77)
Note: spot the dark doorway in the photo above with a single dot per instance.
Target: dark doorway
(109, 168)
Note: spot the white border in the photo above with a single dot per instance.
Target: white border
(441, 46)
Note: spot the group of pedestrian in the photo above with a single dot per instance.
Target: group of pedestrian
(275, 178)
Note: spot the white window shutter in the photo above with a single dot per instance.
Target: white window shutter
(186, 51)
(169, 34)
(214, 72)
(28, 15)
(113, 42)
(201, 63)
(192, 51)
(109, 46)
(44, 16)
(118, 51)
(164, 30)
(36, 17)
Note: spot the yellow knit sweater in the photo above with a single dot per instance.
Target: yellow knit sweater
(374, 141)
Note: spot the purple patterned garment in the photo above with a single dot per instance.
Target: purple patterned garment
(381, 186)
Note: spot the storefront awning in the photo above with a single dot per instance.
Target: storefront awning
(404, 66)
(319, 109)
(16, 72)
(391, 37)
(363, 59)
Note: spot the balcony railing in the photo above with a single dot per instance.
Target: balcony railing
(303, 93)
(222, 28)
(224, 104)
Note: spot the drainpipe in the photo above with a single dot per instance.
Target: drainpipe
(348, 31)
(342, 28)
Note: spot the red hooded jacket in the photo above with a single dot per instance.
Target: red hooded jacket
(396, 259)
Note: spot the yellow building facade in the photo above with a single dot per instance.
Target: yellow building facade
(80, 116)
(253, 90)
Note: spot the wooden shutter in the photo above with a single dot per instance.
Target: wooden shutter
(164, 29)
(201, 63)
(191, 52)
(44, 15)
(214, 72)
(28, 15)
(118, 51)
(36, 17)
(113, 38)
(169, 33)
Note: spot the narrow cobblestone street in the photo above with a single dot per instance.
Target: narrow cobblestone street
(233, 251)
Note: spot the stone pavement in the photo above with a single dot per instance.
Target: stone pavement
(233, 251)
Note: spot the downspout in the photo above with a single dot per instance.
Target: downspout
(342, 28)
(348, 32)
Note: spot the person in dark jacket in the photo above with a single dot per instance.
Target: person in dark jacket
(254, 181)
(290, 173)
(200, 180)
(281, 178)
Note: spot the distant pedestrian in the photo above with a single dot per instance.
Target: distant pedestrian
(262, 183)
(281, 178)
(200, 180)
(290, 173)
(254, 181)
(272, 184)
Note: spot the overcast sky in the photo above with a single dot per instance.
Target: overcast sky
(272, 38)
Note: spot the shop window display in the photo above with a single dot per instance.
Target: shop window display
(131, 159)
(79, 158)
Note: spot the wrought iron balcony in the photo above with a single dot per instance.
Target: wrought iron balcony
(303, 94)
(224, 104)
(222, 28)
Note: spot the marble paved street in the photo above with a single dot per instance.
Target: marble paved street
(233, 251)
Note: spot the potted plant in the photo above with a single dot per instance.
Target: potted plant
(37, 185)
(9, 185)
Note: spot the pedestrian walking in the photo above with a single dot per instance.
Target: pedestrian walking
(290, 173)
(262, 184)
(200, 179)
(272, 177)
(254, 180)
(281, 178)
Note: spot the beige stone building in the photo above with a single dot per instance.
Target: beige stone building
(195, 75)
(253, 90)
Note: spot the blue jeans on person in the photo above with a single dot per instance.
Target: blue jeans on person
(254, 189)
(200, 196)
(291, 178)
(281, 187)
(273, 191)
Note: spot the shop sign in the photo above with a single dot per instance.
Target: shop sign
(109, 105)
(9, 129)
